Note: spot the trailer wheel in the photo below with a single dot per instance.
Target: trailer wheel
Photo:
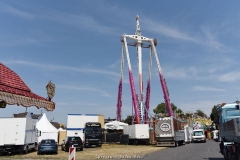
(26, 151)
(135, 142)
(66, 149)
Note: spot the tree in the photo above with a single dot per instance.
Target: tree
(200, 113)
(214, 115)
(128, 120)
(179, 111)
(188, 114)
(161, 108)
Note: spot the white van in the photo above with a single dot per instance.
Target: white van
(198, 136)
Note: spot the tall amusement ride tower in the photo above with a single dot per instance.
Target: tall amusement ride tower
(141, 108)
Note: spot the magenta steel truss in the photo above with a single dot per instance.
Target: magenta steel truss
(141, 109)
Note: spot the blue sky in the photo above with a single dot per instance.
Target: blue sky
(76, 45)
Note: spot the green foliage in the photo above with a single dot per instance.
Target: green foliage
(214, 115)
(179, 111)
(188, 114)
(128, 120)
(200, 113)
(161, 108)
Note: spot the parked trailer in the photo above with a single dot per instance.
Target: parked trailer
(17, 135)
(86, 126)
(138, 133)
(188, 134)
(169, 132)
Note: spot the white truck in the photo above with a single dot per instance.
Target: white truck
(169, 132)
(138, 133)
(17, 135)
(198, 135)
(86, 126)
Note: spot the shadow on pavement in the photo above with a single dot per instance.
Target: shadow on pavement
(214, 158)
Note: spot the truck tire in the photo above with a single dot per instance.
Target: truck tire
(226, 153)
(176, 144)
(66, 149)
(26, 151)
(136, 142)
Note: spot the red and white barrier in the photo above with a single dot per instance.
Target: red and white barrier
(72, 153)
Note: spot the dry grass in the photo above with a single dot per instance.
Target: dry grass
(107, 151)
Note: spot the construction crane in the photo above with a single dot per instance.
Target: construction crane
(141, 109)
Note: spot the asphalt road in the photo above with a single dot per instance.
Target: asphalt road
(193, 151)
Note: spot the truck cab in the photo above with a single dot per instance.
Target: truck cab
(92, 134)
(198, 136)
(226, 112)
(228, 118)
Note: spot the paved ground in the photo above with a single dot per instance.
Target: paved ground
(193, 151)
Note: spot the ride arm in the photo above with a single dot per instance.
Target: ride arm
(162, 81)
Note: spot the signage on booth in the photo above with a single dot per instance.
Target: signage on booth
(50, 89)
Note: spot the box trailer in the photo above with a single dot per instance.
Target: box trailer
(188, 134)
(169, 131)
(17, 135)
(86, 126)
(138, 133)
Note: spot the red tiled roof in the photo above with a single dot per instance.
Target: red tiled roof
(11, 84)
(11, 79)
